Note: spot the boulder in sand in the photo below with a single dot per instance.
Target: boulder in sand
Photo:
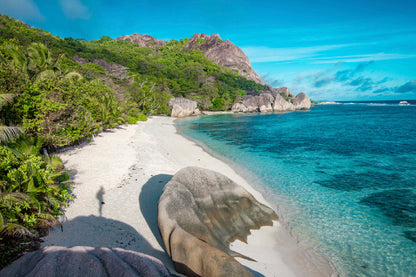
(200, 213)
(182, 107)
(85, 261)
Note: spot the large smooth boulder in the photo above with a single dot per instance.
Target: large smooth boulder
(302, 102)
(200, 213)
(251, 103)
(85, 261)
(265, 102)
(182, 107)
(282, 105)
(239, 108)
(255, 103)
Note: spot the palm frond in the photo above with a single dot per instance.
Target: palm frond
(39, 56)
(44, 75)
(15, 230)
(13, 197)
(6, 98)
(26, 146)
(73, 75)
(47, 220)
(9, 133)
(19, 59)
(2, 59)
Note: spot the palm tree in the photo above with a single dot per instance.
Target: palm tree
(39, 187)
(37, 62)
(41, 63)
(8, 133)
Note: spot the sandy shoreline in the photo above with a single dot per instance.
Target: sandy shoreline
(118, 180)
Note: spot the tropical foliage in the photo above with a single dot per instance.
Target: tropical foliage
(33, 191)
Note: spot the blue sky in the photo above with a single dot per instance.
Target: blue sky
(331, 50)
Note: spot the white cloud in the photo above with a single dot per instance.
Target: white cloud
(315, 55)
(22, 9)
(364, 58)
(74, 9)
(267, 54)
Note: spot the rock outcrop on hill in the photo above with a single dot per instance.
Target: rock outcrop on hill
(224, 53)
(143, 40)
(85, 261)
(281, 105)
(114, 70)
(182, 107)
(284, 90)
(269, 102)
(200, 213)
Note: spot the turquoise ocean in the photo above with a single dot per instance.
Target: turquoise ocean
(342, 177)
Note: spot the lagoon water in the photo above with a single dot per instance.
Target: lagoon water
(343, 177)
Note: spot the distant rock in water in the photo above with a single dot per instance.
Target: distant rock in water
(302, 102)
(255, 103)
(182, 107)
(143, 40)
(200, 213)
(85, 261)
(281, 100)
(224, 53)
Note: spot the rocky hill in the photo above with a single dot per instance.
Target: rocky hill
(143, 40)
(222, 52)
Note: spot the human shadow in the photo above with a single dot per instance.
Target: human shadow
(100, 198)
(103, 232)
(149, 199)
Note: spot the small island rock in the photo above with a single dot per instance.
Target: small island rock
(302, 102)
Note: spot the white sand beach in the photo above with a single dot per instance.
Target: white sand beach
(118, 179)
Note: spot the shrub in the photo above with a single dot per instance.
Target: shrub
(33, 190)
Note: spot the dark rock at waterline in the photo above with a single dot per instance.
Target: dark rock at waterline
(269, 102)
(200, 213)
(85, 261)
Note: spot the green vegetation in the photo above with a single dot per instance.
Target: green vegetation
(288, 99)
(57, 92)
(33, 191)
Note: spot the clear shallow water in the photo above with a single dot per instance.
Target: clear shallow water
(343, 177)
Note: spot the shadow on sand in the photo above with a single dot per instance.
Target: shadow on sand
(103, 232)
(149, 199)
